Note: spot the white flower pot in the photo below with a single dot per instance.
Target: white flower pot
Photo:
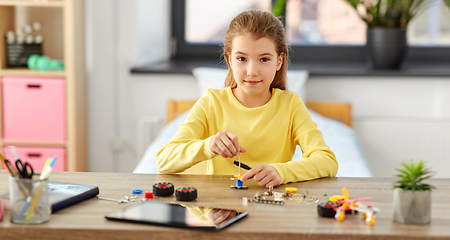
(412, 207)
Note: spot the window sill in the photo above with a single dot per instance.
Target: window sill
(414, 69)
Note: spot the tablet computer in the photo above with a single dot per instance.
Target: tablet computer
(174, 215)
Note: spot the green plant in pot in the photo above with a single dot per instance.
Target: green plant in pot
(412, 197)
(387, 22)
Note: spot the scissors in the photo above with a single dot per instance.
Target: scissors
(25, 170)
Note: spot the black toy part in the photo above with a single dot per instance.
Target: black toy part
(163, 189)
(186, 194)
(327, 209)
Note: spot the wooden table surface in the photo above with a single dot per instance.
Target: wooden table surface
(294, 220)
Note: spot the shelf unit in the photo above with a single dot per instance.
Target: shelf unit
(64, 39)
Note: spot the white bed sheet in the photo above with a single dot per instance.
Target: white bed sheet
(341, 139)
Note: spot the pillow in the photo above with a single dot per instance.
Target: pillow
(343, 141)
(215, 78)
(148, 161)
(340, 138)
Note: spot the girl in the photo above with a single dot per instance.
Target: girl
(253, 115)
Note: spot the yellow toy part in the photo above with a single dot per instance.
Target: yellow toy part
(370, 220)
(340, 215)
(336, 198)
(344, 191)
(290, 189)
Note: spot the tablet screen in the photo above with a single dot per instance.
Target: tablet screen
(176, 215)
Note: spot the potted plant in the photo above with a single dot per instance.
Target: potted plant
(412, 197)
(387, 21)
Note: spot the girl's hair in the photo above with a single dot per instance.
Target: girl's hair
(258, 24)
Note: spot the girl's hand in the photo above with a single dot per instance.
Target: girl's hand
(263, 173)
(226, 144)
(219, 216)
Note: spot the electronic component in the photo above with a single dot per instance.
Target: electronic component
(279, 198)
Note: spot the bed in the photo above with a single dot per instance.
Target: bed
(333, 119)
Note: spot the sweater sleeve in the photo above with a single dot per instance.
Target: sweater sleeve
(190, 145)
(318, 160)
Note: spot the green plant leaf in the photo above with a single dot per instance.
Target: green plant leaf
(412, 175)
(392, 13)
(278, 8)
(355, 3)
(447, 2)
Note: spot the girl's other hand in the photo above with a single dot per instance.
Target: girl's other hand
(263, 173)
(226, 144)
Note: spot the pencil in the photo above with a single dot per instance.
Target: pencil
(13, 174)
(8, 166)
(44, 175)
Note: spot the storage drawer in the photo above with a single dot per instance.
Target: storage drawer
(36, 156)
(34, 109)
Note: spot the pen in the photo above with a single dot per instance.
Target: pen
(7, 165)
(13, 173)
(31, 202)
(14, 152)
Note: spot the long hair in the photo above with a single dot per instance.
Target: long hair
(258, 24)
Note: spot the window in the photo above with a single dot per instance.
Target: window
(317, 30)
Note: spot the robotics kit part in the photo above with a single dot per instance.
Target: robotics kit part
(163, 189)
(186, 194)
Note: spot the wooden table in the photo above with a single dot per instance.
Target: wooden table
(294, 220)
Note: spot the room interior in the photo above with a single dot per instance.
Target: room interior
(122, 79)
(397, 115)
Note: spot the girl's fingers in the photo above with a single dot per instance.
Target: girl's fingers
(224, 149)
(233, 142)
(230, 148)
(251, 173)
(242, 149)
(264, 180)
(226, 144)
(271, 183)
(263, 173)
(221, 149)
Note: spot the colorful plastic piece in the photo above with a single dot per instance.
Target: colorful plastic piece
(337, 206)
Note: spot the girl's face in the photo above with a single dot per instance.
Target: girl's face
(254, 63)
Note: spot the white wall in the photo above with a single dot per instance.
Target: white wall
(119, 35)
(396, 118)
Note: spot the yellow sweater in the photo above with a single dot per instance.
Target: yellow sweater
(270, 134)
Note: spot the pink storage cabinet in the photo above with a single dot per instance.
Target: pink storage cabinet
(36, 156)
(34, 109)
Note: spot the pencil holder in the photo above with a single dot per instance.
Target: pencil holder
(29, 200)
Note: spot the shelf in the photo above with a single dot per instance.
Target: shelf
(33, 143)
(32, 3)
(409, 69)
(28, 72)
(64, 29)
